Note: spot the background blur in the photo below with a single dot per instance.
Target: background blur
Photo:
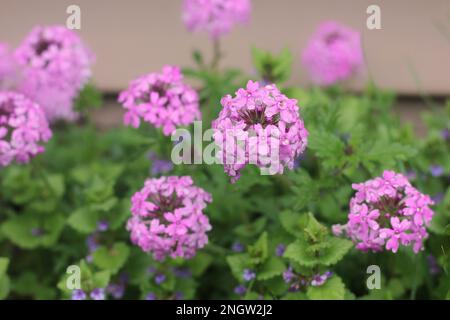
(409, 54)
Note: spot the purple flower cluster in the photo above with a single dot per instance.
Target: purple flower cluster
(167, 217)
(333, 54)
(23, 127)
(387, 212)
(161, 99)
(216, 17)
(261, 126)
(54, 65)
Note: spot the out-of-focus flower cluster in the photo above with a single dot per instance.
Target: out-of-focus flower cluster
(261, 126)
(161, 99)
(54, 65)
(387, 212)
(167, 217)
(333, 54)
(216, 17)
(23, 127)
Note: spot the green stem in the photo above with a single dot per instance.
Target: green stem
(217, 55)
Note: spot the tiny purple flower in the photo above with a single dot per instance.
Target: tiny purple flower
(248, 275)
(240, 290)
(237, 247)
(279, 251)
(182, 272)
(102, 226)
(445, 134)
(98, 294)
(116, 290)
(160, 278)
(150, 296)
(178, 295)
(288, 275)
(433, 265)
(436, 170)
(78, 294)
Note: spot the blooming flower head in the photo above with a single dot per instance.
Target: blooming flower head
(261, 126)
(216, 17)
(333, 53)
(23, 127)
(387, 212)
(240, 290)
(55, 65)
(161, 99)
(8, 68)
(167, 217)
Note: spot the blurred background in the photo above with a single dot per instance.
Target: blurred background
(410, 54)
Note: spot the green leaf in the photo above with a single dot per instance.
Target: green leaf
(4, 262)
(83, 220)
(271, 268)
(332, 289)
(238, 263)
(19, 229)
(101, 279)
(293, 223)
(327, 253)
(251, 229)
(327, 147)
(260, 250)
(111, 259)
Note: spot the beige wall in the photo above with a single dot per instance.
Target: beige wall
(137, 36)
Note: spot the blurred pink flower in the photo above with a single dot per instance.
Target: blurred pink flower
(55, 65)
(333, 53)
(216, 17)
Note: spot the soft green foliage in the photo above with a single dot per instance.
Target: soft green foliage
(50, 208)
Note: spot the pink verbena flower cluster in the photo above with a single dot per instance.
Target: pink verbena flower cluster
(55, 65)
(387, 212)
(333, 53)
(167, 217)
(8, 68)
(22, 127)
(260, 126)
(217, 17)
(162, 99)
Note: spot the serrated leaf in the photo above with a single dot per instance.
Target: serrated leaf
(238, 263)
(260, 250)
(273, 267)
(332, 289)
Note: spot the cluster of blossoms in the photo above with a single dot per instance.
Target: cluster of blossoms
(8, 68)
(161, 99)
(23, 127)
(297, 281)
(333, 54)
(261, 126)
(387, 212)
(54, 65)
(167, 217)
(216, 17)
